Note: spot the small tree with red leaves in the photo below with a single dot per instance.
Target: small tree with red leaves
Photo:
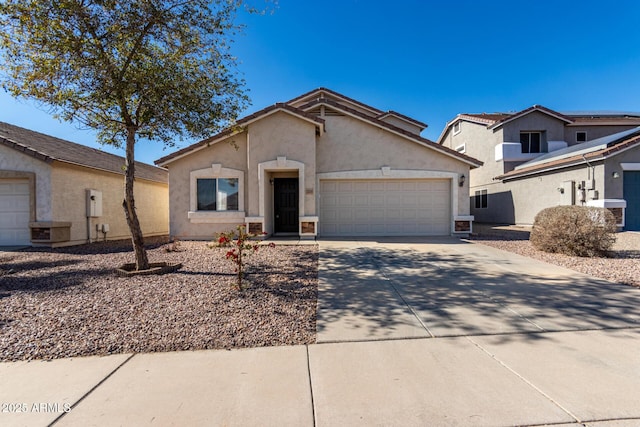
(240, 246)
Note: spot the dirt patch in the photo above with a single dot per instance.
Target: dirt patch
(70, 302)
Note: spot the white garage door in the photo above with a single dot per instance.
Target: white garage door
(385, 207)
(14, 212)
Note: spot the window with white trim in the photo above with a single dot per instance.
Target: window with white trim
(581, 136)
(461, 148)
(217, 194)
(456, 127)
(531, 142)
(481, 199)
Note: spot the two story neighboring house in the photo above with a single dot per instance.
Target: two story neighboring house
(537, 158)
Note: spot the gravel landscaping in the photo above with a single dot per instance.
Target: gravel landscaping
(70, 302)
(621, 266)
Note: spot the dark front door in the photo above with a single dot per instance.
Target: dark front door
(631, 190)
(285, 205)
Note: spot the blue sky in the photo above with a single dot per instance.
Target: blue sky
(426, 59)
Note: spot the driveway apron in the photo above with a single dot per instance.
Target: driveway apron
(392, 288)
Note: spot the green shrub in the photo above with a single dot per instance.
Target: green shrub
(574, 230)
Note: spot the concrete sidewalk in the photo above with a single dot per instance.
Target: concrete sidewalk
(574, 378)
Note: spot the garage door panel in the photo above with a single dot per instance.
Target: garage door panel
(385, 207)
(345, 187)
(14, 212)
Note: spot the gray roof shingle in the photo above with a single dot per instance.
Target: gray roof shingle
(49, 148)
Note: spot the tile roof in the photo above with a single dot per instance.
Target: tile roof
(598, 149)
(49, 149)
(339, 95)
(237, 128)
(603, 120)
(403, 117)
(530, 110)
(488, 118)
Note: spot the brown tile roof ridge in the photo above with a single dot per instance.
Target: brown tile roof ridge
(535, 107)
(48, 149)
(600, 154)
(488, 118)
(402, 116)
(235, 128)
(396, 129)
(333, 92)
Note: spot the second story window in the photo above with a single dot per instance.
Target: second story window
(531, 142)
(456, 127)
(581, 136)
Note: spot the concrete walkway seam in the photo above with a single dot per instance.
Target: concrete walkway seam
(92, 390)
(313, 404)
(529, 383)
(375, 261)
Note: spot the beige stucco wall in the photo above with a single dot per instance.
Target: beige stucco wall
(480, 144)
(351, 145)
(282, 134)
(69, 184)
(12, 160)
(348, 144)
(230, 153)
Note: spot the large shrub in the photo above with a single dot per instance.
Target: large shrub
(574, 230)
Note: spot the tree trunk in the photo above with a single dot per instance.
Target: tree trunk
(142, 262)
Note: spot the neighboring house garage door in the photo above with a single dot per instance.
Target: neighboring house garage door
(632, 196)
(14, 212)
(385, 207)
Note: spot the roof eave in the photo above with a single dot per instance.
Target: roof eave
(26, 150)
(528, 111)
(241, 127)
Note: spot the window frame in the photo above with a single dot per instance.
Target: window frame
(216, 171)
(540, 142)
(457, 128)
(218, 193)
(581, 132)
(462, 148)
(481, 196)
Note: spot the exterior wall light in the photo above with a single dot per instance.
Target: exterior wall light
(461, 180)
(615, 175)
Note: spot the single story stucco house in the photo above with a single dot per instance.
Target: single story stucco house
(57, 193)
(320, 164)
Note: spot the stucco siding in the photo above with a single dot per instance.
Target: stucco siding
(351, 145)
(535, 121)
(69, 185)
(518, 201)
(480, 144)
(282, 135)
(12, 160)
(614, 186)
(230, 153)
(593, 132)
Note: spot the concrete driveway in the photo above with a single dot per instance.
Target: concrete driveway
(393, 288)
